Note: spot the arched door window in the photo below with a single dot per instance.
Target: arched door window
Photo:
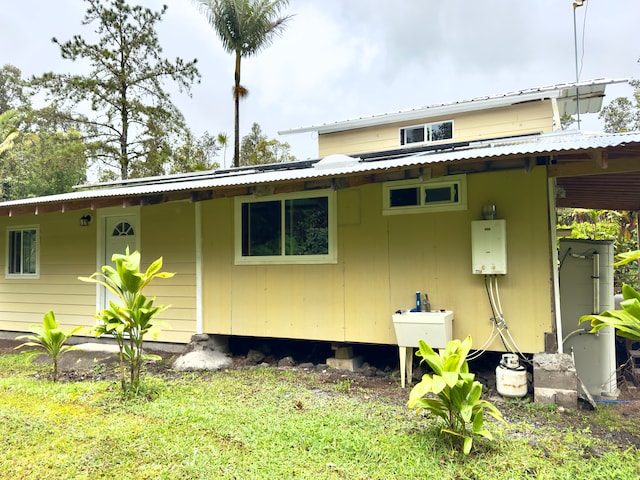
(120, 234)
(122, 229)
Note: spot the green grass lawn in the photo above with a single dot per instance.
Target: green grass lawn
(267, 423)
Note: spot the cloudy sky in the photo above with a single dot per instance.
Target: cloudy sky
(342, 59)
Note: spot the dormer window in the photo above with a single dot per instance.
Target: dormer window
(429, 132)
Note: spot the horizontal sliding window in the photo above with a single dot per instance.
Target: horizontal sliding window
(292, 228)
(414, 196)
(429, 132)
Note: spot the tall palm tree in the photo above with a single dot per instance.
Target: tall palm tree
(223, 140)
(245, 27)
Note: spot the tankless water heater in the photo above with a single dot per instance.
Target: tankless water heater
(489, 247)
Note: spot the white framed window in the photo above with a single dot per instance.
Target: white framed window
(23, 252)
(413, 196)
(289, 228)
(428, 132)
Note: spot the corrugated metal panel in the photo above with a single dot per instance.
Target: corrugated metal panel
(543, 144)
(589, 99)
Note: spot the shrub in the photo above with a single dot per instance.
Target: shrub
(457, 394)
(50, 338)
(130, 319)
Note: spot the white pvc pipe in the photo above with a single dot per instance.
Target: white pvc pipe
(551, 192)
(595, 259)
(499, 305)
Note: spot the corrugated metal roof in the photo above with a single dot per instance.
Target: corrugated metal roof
(591, 95)
(289, 172)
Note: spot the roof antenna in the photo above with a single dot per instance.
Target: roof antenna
(576, 4)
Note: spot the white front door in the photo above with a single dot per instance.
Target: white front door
(120, 232)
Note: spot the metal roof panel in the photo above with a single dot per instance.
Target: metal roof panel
(281, 173)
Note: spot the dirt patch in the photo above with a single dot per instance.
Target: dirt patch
(382, 383)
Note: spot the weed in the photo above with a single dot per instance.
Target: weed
(344, 386)
(99, 368)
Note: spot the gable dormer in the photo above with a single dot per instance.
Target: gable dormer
(525, 112)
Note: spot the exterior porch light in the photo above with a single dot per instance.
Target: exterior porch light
(85, 220)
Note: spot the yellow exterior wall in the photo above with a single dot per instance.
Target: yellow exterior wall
(67, 251)
(382, 261)
(217, 257)
(168, 231)
(289, 301)
(432, 253)
(533, 117)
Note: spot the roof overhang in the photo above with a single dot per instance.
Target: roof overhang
(591, 171)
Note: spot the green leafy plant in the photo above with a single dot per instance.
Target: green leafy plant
(344, 386)
(8, 131)
(625, 321)
(131, 319)
(50, 338)
(456, 393)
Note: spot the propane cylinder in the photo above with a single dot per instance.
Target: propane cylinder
(511, 377)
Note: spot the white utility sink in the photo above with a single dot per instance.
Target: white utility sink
(434, 327)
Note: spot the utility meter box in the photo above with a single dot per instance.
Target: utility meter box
(489, 247)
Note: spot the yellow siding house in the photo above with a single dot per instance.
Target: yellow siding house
(329, 249)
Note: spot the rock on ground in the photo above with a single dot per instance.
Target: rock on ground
(202, 360)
